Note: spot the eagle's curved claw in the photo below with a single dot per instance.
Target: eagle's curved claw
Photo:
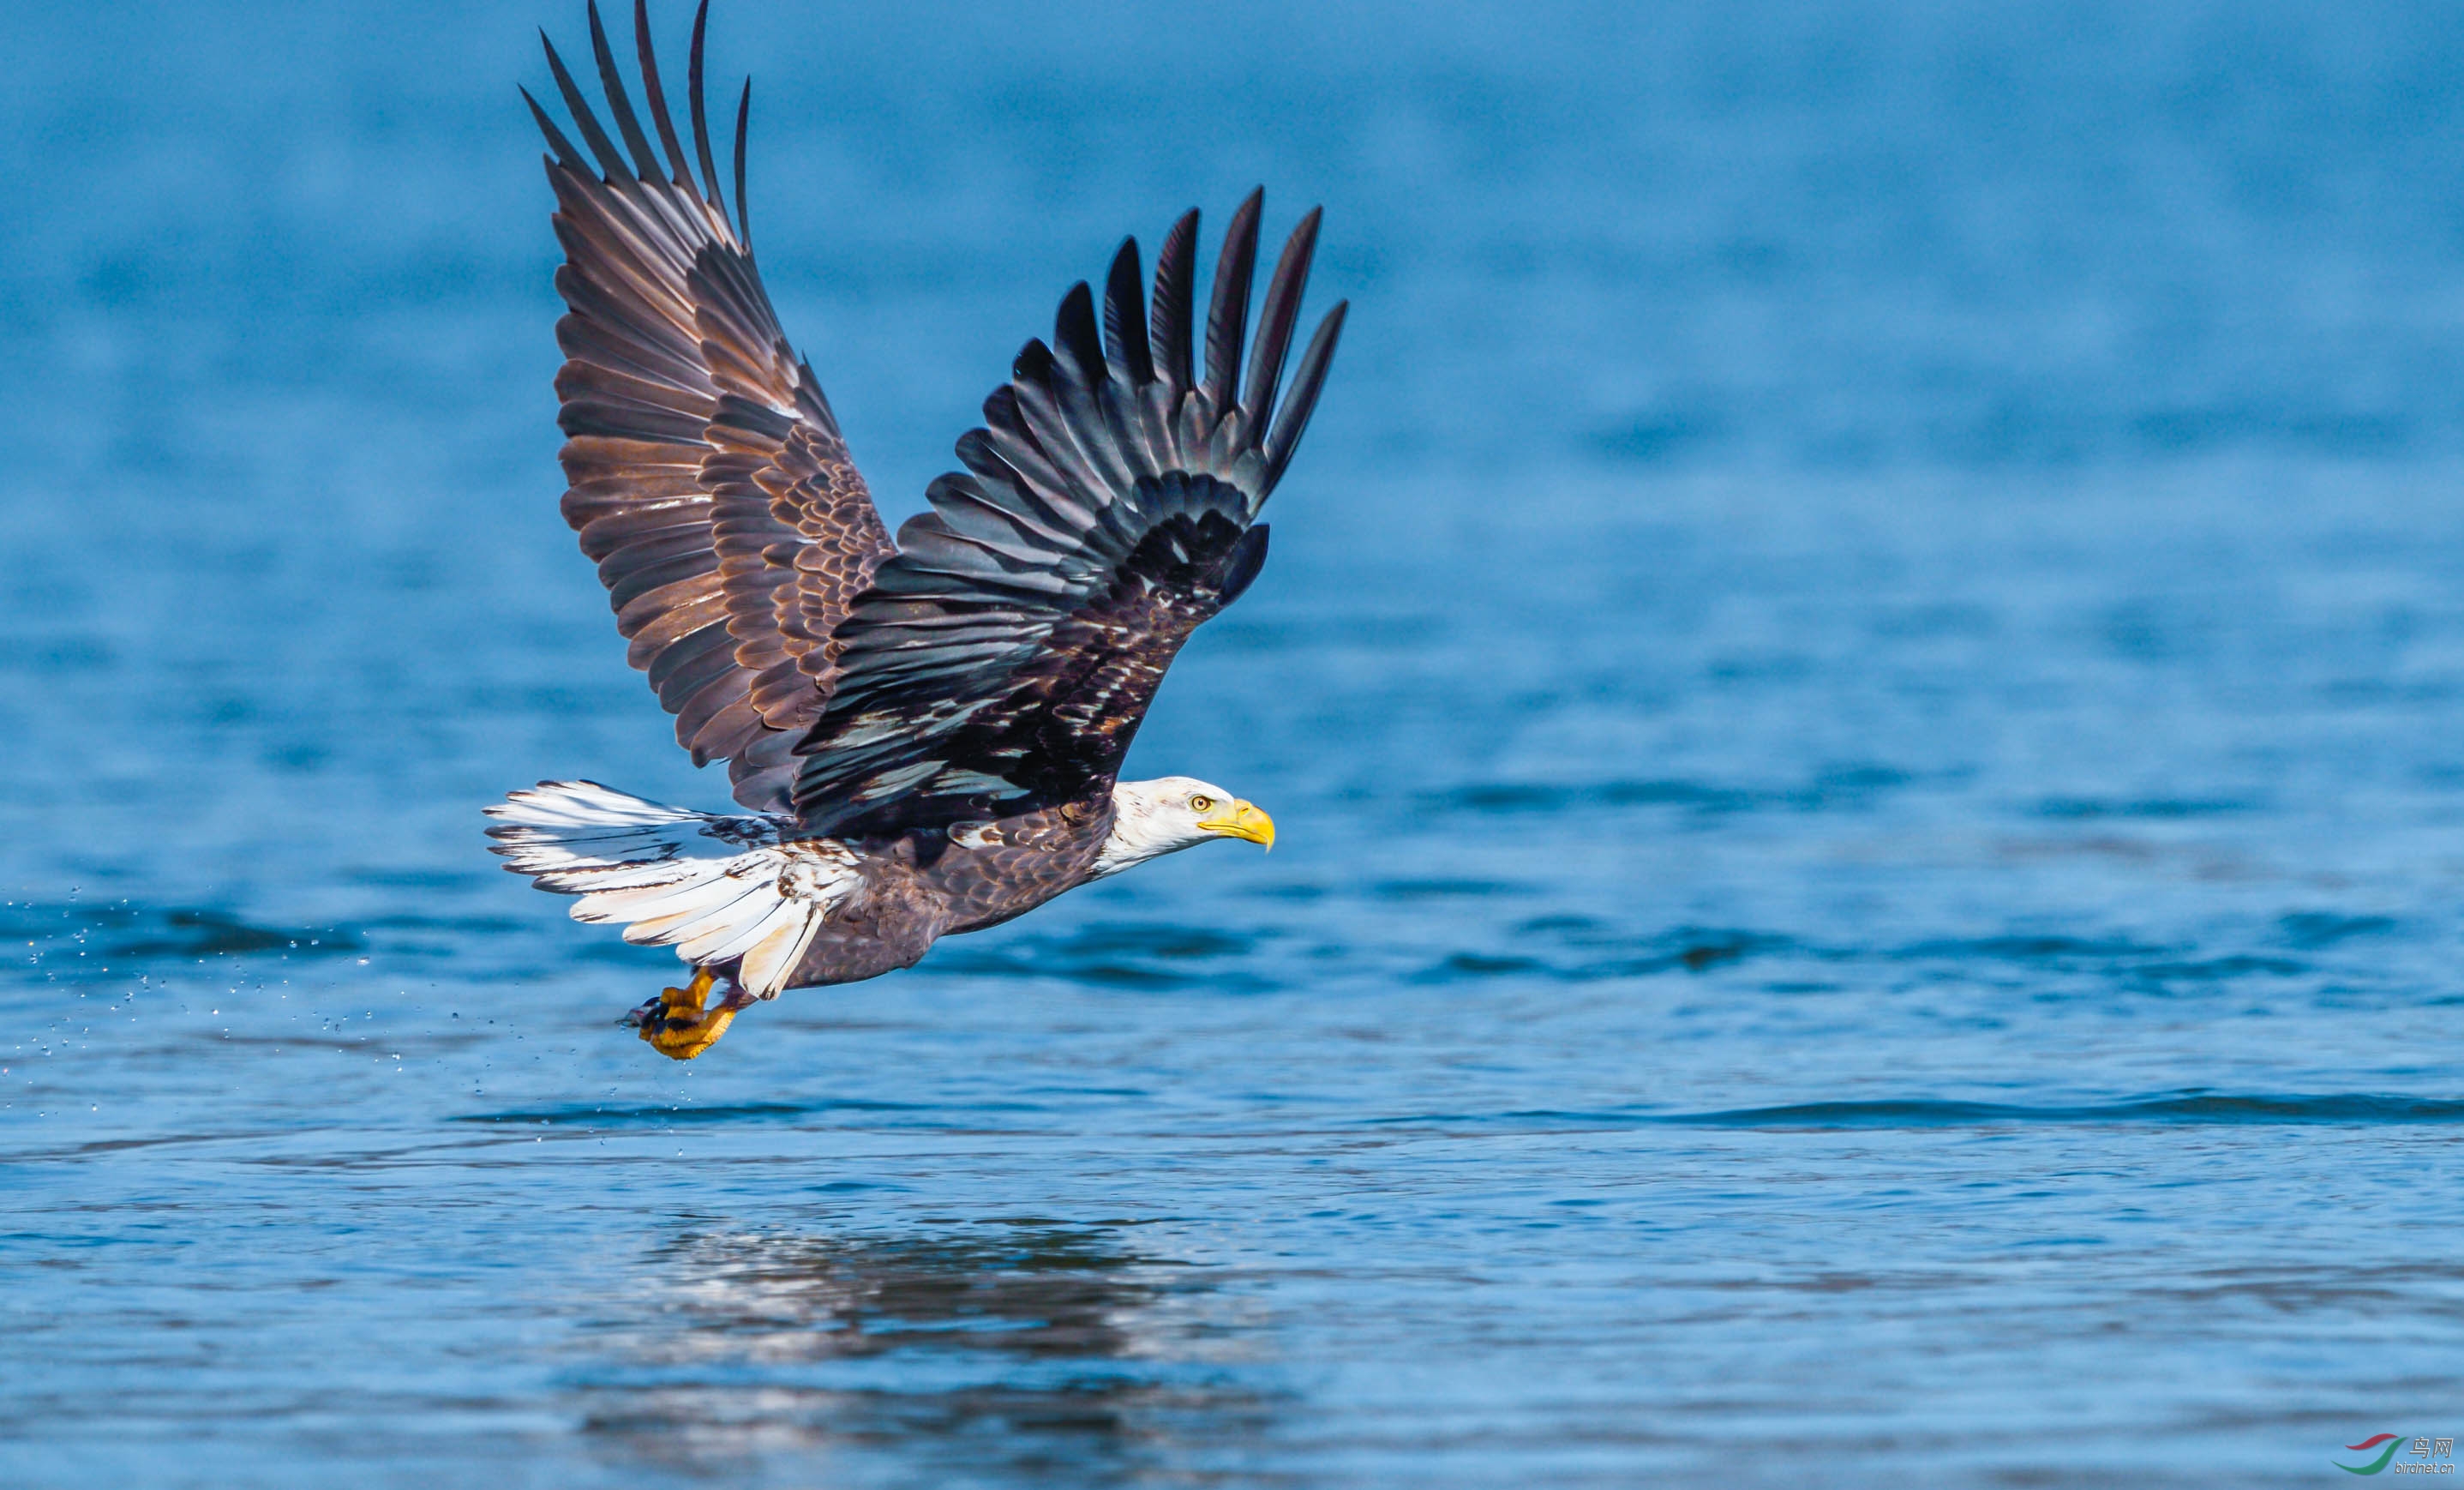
(676, 1024)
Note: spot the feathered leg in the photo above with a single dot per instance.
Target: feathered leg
(675, 1023)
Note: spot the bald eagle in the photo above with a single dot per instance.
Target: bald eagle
(927, 733)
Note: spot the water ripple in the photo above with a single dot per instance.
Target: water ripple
(2185, 1108)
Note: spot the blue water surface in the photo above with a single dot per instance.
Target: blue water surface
(1862, 676)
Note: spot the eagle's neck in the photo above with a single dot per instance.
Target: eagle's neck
(1137, 835)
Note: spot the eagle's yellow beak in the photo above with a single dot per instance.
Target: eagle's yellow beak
(1237, 819)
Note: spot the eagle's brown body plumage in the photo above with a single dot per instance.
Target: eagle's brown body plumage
(922, 885)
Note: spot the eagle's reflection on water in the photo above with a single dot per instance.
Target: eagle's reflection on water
(1031, 1345)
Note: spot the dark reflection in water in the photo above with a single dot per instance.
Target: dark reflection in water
(1005, 1345)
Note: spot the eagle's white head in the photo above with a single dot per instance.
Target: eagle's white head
(1173, 812)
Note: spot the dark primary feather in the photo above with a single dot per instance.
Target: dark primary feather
(1125, 317)
(1175, 287)
(1228, 316)
(618, 104)
(706, 476)
(1002, 660)
(743, 208)
(1294, 417)
(1275, 318)
(700, 121)
(655, 92)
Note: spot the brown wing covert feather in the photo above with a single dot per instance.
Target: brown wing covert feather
(707, 475)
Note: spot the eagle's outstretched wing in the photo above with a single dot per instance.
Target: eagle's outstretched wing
(1004, 657)
(707, 473)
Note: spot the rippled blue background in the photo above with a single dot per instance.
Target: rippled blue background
(1861, 678)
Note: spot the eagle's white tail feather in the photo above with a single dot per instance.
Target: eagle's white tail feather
(715, 889)
(775, 956)
(697, 908)
(586, 804)
(727, 939)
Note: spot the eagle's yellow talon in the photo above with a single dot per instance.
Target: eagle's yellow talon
(675, 1025)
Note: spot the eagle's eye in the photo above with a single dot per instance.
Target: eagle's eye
(1201, 804)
